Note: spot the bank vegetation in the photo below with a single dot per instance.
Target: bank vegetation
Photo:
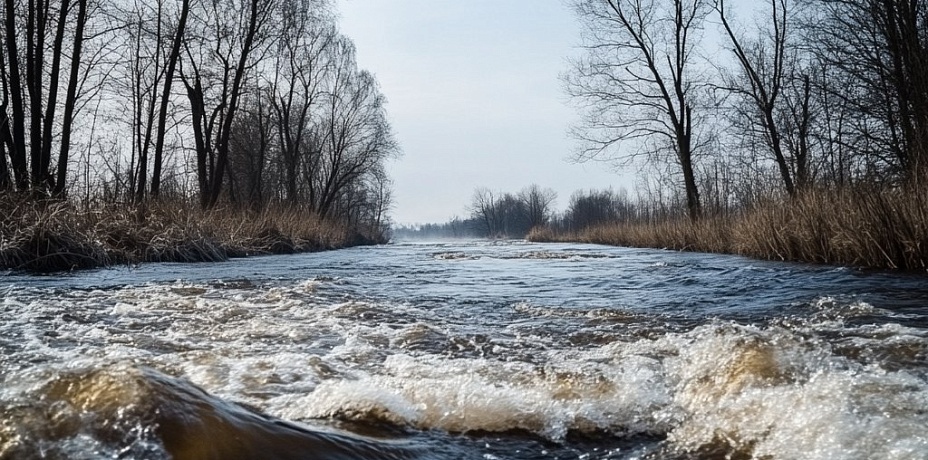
(847, 227)
(802, 136)
(59, 235)
(184, 130)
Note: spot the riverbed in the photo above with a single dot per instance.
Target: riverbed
(466, 350)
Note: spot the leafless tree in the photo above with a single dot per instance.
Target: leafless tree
(539, 204)
(149, 61)
(354, 130)
(768, 69)
(306, 50)
(483, 209)
(31, 87)
(637, 81)
(173, 57)
(879, 49)
(218, 60)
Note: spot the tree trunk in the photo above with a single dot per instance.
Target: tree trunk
(165, 95)
(222, 143)
(71, 100)
(18, 152)
(685, 155)
(53, 82)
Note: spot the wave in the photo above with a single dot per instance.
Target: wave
(828, 382)
(129, 412)
(763, 393)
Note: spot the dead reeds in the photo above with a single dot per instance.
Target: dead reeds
(39, 235)
(850, 227)
(866, 228)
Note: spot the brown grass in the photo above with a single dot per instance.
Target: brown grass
(56, 235)
(875, 229)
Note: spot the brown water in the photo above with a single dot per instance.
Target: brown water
(466, 351)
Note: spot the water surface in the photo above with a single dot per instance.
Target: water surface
(465, 350)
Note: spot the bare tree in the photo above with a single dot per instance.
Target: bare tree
(173, 57)
(354, 130)
(538, 203)
(483, 209)
(305, 51)
(637, 83)
(880, 50)
(764, 74)
(144, 69)
(32, 85)
(70, 97)
(214, 73)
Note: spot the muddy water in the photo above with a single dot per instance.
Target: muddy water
(466, 351)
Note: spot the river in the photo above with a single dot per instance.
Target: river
(466, 350)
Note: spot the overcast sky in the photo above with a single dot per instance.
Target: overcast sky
(474, 97)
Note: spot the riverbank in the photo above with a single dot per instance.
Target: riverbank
(47, 236)
(869, 229)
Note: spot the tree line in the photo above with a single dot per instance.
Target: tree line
(508, 215)
(813, 93)
(516, 215)
(246, 102)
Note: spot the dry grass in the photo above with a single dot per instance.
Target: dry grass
(886, 229)
(543, 234)
(55, 235)
(707, 235)
(863, 228)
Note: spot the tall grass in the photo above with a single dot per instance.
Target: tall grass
(56, 235)
(863, 228)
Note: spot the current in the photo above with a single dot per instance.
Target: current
(465, 350)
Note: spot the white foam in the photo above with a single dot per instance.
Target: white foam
(769, 393)
(772, 392)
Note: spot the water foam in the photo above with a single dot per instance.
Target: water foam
(815, 388)
(770, 393)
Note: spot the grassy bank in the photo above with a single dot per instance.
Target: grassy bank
(875, 229)
(53, 236)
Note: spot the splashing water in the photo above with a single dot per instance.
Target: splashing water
(466, 350)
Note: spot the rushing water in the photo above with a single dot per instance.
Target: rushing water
(466, 351)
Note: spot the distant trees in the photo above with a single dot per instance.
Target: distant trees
(539, 204)
(595, 207)
(246, 102)
(455, 228)
(510, 215)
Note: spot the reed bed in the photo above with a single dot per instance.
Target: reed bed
(55, 235)
(861, 228)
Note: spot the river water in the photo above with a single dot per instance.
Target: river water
(466, 350)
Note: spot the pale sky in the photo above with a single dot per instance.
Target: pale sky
(475, 98)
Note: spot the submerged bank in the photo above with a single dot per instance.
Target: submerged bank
(55, 236)
(859, 228)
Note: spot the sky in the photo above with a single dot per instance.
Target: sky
(474, 98)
